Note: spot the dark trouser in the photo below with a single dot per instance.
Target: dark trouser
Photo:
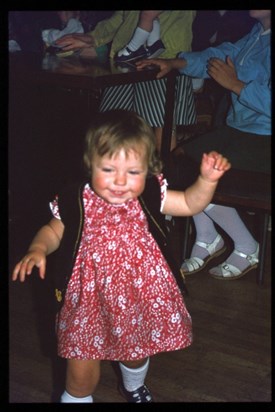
(246, 151)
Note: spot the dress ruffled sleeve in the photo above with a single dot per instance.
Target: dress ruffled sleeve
(163, 190)
(54, 208)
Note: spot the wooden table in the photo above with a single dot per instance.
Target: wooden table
(94, 75)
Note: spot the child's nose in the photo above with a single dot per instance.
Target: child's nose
(120, 179)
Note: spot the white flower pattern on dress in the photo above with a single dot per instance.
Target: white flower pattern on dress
(122, 301)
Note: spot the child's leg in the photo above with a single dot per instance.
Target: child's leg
(154, 34)
(82, 377)
(140, 36)
(133, 376)
(146, 19)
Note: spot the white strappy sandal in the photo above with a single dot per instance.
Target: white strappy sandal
(195, 264)
(226, 271)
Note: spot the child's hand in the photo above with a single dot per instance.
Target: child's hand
(213, 166)
(25, 266)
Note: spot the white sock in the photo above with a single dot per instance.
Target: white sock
(229, 220)
(154, 34)
(67, 398)
(133, 378)
(205, 232)
(139, 38)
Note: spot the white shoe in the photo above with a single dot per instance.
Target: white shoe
(226, 271)
(195, 264)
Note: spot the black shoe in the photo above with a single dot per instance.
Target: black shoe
(129, 55)
(140, 395)
(155, 50)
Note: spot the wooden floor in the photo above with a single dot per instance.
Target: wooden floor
(229, 360)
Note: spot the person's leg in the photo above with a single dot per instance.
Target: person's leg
(117, 97)
(246, 248)
(154, 34)
(149, 102)
(146, 19)
(185, 109)
(133, 377)
(82, 377)
(140, 36)
(208, 244)
(146, 27)
(245, 151)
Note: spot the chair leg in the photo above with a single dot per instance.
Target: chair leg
(186, 237)
(262, 254)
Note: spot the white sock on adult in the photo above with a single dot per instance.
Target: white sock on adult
(205, 232)
(67, 398)
(133, 378)
(154, 34)
(139, 38)
(229, 220)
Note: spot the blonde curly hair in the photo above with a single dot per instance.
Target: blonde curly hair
(114, 130)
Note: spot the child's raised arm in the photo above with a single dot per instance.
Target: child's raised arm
(196, 197)
(46, 241)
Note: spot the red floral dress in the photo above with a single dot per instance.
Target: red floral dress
(122, 301)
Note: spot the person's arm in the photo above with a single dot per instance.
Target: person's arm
(76, 41)
(105, 30)
(225, 74)
(196, 197)
(46, 241)
(164, 65)
(102, 34)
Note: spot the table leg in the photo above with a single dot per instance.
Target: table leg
(168, 116)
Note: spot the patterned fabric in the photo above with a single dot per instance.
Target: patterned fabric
(148, 100)
(122, 301)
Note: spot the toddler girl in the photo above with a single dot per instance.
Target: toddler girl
(117, 284)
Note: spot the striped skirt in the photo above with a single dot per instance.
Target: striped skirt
(148, 100)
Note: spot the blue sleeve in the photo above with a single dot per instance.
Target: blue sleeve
(197, 61)
(257, 96)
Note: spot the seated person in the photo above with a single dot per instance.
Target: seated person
(210, 29)
(243, 68)
(70, 23)
(146, 98)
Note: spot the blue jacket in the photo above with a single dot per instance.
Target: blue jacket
(251, 111)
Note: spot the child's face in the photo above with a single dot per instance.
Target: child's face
(119, 178)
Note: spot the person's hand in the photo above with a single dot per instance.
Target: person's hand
(225, 74)
(25, 266)
(75, 41)
(213, 166)
(164, 65)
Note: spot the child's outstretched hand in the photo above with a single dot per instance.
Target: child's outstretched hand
(26, 264)
(213, 166)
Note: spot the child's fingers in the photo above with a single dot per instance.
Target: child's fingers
(219, 162)
(23, 268)
(42, 271)
(16, 271)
